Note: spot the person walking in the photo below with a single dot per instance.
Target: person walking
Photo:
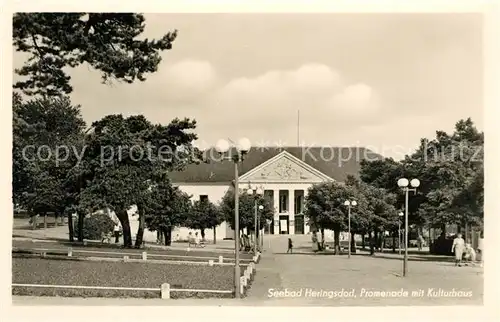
(116, 232)
(315, 245)
(420, 242)
(290, 246)
(458, 247)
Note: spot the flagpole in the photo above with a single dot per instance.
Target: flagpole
(298, 127)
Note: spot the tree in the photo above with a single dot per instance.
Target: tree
(246, 209)
(126, 157)
(205, 215)
(108, 42)
(450, 170)
(44, 133)
(324, 206)
(166, 208)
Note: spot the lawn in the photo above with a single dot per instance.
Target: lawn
(119, 274)
(132, 253)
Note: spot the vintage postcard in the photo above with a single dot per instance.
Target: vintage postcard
(326, 159)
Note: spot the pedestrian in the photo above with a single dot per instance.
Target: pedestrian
(196, 239)
(420, 242)
(116, 232)
(290, 246)
(458, 247)
(315, 245)
(470, 253)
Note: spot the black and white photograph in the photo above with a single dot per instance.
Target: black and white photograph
(326, 159)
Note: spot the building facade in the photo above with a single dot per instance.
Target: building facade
(284, 174)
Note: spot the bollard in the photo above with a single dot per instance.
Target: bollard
(70, 252)
(144, 256)
(221, 259)
(125, 258)
(165, 291)
(210, 262)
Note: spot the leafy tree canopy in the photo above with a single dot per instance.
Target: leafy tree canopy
(106, 41)
(246, 209)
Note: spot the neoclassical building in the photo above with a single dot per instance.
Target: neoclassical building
(284, 174)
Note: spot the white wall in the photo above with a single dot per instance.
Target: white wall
(215, 192)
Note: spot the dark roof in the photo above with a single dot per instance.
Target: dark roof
(335, 162)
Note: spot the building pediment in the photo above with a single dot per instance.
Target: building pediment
(285, 168)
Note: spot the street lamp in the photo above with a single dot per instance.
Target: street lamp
(401, 215)
(242, 148)
(403, 183)
(269, 222)
(257, 193)
(349, 204)
(260, 236)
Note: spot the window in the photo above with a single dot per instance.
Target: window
(283, 201)
(299, 203)
(203, 198)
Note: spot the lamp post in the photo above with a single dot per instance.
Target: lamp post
(242, 148)
(269, 222)
(403, 183)
(257, 193)
(349, 204)
(401, 214)
(261, 237)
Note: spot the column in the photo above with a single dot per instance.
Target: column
(276, 198)
(291, 212)
(307, 228)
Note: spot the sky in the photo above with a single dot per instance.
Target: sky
(381, 81)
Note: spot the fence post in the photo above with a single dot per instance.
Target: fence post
(70, 251)
(165, 291)
(221, 259)
(144, 256)
(210, 262)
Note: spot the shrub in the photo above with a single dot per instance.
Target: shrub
(95, 225)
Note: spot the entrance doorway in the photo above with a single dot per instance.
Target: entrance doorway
(299, 224)
(283, 225)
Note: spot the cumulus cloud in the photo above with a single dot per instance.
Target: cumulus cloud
(187, 80)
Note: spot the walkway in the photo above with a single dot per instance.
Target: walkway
(314, 278)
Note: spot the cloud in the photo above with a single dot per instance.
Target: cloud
(314, 88)
(188, 80)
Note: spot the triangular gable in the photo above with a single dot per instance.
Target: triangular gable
(285, 167)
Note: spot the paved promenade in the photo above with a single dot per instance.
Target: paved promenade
(311, 279)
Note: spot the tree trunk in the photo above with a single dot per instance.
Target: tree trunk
(322, 238)
(353, 243)
(466, 232)
(167, 232)
(44, 221)
(336, 241)
(70, 227)
(363, 240)
(393, 242)
(127, 236)
(443, 228)
(215, 236)
(81, 217)
(140, 230)
(202, 234)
